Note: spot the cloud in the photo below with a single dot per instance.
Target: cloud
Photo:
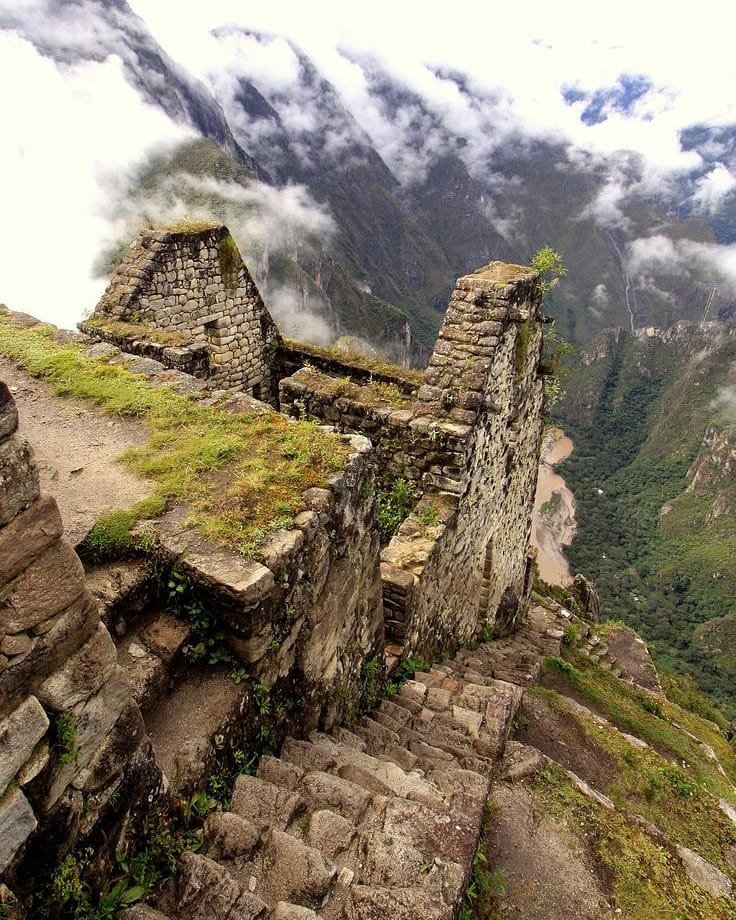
(70, 130)
(713, 188)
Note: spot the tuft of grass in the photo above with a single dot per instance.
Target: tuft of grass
(645, 878)
(241, 475)
(140, 331)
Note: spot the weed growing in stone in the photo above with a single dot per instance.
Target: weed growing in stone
(65, 730)
(392, 507)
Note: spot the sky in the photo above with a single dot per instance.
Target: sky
(628, 75)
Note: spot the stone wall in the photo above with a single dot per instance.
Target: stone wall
(192, 288)
(468, 442)
(70, 735)
(425, 450)
(308, 612)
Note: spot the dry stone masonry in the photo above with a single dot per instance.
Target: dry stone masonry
(196, 308)
(378, 820)
(70, 732)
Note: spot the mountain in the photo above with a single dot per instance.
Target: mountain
(653, 422)
(70, 31)
(388, 191)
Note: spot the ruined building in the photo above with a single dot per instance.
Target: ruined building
(322, 598)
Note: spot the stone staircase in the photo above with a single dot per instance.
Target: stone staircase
(377, 821)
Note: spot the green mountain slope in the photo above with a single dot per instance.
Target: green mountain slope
(653, 477)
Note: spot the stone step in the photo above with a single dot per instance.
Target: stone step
(378, 819)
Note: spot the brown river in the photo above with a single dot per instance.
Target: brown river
(554, 510)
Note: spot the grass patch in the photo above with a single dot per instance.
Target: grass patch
(657, 721)
(664, 792)
(645, 878)
(142, 332)
(365, 362)
(241, 475)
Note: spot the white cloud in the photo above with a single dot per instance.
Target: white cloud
(65, 137)
(713, 188)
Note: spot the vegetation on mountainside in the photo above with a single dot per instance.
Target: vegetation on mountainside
(659, 557)
(665, 792)
(644, 877)
(241, 475)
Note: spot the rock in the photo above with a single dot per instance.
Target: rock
(227, 835)
(206, 891)
(114, 753)
(295, 872)
(403, 904)
(27, 536)
(17, 823)
(264, 804)
(703, 873)
(51, 583)
(82, 674)
(93, 721)
(590, 792)
(520, 761)
(165, 636)
(587, 597)
(56, 640)
(20, 732)
(230, 577)
(329, 832)
(18, 478)
(285, 911)
(322, 790)
(728, 810)
(8, 413)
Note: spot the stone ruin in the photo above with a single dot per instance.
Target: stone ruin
(464, 436)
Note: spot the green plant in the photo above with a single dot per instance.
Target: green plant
(392, 507)
(66, 736)
(429, 516)
(230, 261)
(207, 641)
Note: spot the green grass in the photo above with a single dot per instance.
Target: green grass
(240, 475)
(663, 791)
(645, 879)
(361, 360)
(658, 721)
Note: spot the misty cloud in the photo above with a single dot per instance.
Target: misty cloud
(70, 130)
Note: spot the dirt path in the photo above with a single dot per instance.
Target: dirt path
(554, 511)
(76, 448)
(548, 872)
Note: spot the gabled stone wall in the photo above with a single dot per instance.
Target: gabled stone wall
(191, 288)
(71, 736)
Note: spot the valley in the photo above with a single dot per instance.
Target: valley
(554, 510)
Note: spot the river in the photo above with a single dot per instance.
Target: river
(554, 510)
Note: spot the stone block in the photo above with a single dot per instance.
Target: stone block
(56, 640)
(20, 732)
(50, 584)
(28, 535)
(93, 721)
(82, 674)
(17, 823)
(18, 478)
(8, 413)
